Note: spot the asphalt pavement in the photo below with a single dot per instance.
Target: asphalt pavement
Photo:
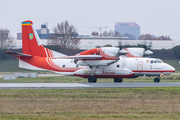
(82, 85)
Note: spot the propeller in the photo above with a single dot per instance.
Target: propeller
(146, 51)
(121, 51)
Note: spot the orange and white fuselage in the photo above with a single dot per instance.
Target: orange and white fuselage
(36, 57)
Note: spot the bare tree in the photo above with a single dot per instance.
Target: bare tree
(108, 34)
(94, 33)
(117, 34)
(7, 41)
(146, 37)
(111, 33)
(65, 35)
(163, 38)
(152, 37)
(105, 34)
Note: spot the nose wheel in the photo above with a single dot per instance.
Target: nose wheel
(156, 80)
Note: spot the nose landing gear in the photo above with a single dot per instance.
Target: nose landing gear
(156, 80)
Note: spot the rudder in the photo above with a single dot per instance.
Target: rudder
(30, 40)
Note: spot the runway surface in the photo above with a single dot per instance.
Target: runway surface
(81, 85)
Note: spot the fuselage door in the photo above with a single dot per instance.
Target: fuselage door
(140, 66)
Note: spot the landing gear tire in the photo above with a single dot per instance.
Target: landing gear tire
(92, 79)
(118, 80)
(156, 80)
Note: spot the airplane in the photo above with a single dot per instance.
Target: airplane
(107, 62)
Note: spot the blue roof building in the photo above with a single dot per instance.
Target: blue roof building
(127, 28)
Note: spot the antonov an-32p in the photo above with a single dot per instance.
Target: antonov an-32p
(107, 62)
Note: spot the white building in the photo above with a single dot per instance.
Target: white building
(88, 43)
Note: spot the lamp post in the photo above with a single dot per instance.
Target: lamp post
(90, 44)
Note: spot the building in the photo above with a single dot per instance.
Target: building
(43, 33)
(131, 28)
(4, 34)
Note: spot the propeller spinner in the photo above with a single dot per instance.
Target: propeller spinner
(121, 51)
(146, 51)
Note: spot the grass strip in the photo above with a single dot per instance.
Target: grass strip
(91, 104)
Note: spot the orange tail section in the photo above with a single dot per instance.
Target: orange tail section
(31, 44)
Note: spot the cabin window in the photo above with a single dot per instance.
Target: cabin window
(155, 61)
(117, 66)
(63, 66)
(77, 66)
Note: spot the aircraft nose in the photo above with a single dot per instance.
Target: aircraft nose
(171, 68)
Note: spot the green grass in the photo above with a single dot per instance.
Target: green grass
(91, 104)
(10, 66)
(174, 63)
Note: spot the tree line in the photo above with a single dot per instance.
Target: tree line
(130, 36)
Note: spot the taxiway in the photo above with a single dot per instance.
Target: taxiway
(81, 85)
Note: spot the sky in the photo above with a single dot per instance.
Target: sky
(157, 17)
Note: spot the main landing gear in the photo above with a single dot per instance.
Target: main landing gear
(92, 79)
(156, 80)
(118, 80)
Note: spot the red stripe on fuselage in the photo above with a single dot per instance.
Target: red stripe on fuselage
(153, 71)
(106, 76)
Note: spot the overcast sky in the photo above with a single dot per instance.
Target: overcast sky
(157, 17)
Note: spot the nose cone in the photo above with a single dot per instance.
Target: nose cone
(170, 69)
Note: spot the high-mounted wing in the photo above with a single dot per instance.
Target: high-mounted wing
(80, 57)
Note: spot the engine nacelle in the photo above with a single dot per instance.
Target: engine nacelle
(109, 55)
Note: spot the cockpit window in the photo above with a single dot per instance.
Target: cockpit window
(151, 61)
(160, 61)
(156, 61)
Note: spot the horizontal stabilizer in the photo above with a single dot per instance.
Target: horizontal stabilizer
(80, 57)
(17, 54)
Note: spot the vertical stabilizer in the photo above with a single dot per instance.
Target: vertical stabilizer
(31, 43)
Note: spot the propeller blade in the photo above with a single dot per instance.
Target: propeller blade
(145, 47)
(120, 45)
